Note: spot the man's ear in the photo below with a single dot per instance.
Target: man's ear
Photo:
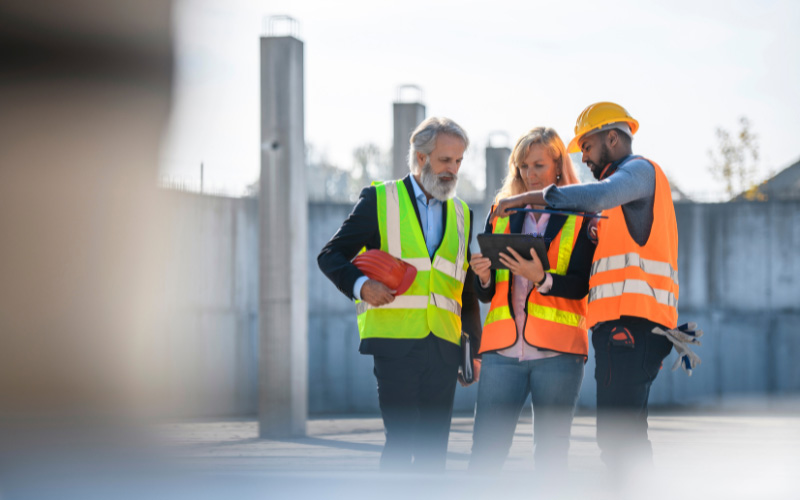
(420, 159)
(612, 137)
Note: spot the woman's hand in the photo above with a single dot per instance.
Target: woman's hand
(529, 269)
(481, 266)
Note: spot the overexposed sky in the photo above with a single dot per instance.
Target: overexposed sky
(682, 68)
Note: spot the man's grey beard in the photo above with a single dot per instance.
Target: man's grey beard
(440, 189)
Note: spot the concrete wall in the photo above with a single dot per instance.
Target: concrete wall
(210, 339)
(740, 280)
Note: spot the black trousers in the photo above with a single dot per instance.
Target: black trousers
(626, 366)
(415, 393)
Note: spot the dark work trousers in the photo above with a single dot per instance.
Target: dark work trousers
(625, 370)
(415, 393)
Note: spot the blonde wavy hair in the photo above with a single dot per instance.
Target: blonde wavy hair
(513, 184)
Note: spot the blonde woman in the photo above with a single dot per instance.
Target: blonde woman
(534, 337)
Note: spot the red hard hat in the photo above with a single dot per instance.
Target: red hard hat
(381, 266)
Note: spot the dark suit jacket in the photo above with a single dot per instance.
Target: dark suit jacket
(573, 285)
(361, 230)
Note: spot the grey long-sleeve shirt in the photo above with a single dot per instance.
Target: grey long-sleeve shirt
(632, 185)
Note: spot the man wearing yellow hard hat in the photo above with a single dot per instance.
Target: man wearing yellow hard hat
(633, 286)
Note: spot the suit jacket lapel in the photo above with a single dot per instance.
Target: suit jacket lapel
(515, 222)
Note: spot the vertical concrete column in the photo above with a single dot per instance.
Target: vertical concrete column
(496, 163)
(283, 213)
(407, 115)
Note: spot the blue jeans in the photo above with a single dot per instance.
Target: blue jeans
(553, 383)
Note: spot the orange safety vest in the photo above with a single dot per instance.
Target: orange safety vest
(632, 280)
(552, 323)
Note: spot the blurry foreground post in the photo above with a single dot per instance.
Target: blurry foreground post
(85, 96)
(283, 346)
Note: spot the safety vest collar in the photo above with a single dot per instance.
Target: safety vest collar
(393, 229)
(457, 269)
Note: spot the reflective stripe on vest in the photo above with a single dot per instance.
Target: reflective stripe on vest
(634, 260)
(433, 302)
(632, 286)
(415, 302)
(447, 304)
(401, 302)
(555, 315)
(628, 279)
(499, 328)
(497, 314)
(565, 247)
(457, 269)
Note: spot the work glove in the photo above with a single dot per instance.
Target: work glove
(681, 337)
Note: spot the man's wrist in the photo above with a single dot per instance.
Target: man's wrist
(358, 285)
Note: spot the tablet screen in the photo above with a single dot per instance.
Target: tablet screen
(493, 244)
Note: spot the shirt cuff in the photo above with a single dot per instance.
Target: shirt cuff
(485, 285)
(547, 285)
(357, 287)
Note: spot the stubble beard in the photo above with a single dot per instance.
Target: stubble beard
(605, 159)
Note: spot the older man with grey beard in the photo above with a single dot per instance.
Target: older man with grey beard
(414, 337)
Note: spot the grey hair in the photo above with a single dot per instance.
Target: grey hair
(423, 139)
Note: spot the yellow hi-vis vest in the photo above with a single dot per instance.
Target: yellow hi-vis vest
(433, 302)
(553, 323)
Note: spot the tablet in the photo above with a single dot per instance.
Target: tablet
(492, 244)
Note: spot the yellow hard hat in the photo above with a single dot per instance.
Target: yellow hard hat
(595, 116)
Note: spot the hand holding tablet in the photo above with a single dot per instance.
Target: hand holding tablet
(494, 244)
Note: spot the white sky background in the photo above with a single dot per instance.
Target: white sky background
(680, 67)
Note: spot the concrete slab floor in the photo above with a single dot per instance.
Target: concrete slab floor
(729, 454)
(750, 452)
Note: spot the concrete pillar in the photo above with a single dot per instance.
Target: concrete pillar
(407, 115)
(497, 153)
(283, 349)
